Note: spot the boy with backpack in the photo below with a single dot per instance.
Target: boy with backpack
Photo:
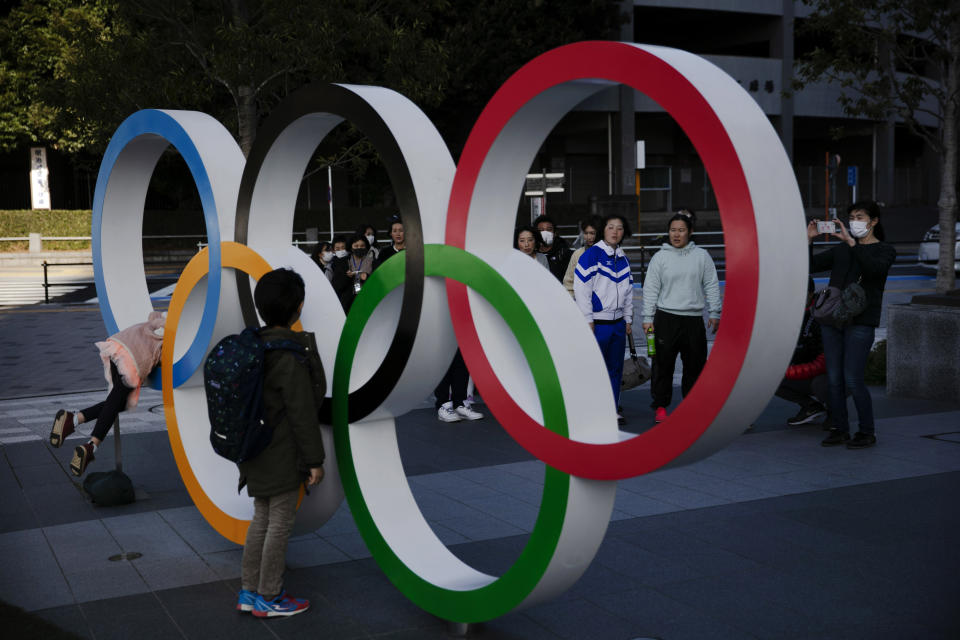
(293, 390)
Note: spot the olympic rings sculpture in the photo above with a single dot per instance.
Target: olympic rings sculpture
(458, 282)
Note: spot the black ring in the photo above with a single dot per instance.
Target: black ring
(340, 101)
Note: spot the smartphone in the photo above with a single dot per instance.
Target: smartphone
(827, 226)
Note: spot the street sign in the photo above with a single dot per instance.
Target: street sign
(851, 176)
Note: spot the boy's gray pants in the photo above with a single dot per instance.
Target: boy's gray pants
(264, 553)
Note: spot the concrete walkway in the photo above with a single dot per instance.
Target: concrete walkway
(773, 537)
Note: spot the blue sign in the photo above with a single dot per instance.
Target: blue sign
(851, 176)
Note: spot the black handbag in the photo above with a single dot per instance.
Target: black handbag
(836, 307)
(636, 370)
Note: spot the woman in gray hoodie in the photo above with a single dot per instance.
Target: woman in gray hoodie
(681, 280)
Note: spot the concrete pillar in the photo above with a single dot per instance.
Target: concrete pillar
(36, 245)
(782, 47)
(624, 130)
(883, 150)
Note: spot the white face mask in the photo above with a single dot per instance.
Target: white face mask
(858, 228)
(341, 254)
(370, 240)
(327, 256)
(547, 237)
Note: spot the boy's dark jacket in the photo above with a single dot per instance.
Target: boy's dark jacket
(293, 390)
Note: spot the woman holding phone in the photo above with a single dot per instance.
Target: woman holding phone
(862, 256)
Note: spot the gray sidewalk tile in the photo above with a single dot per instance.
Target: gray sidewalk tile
(447, 535)
(166, 573)
(109, 580)
(435, 506)
(28, 454)
(655, 615)
(340, 522)
(190, 525)
(226, 564)
(349, 543)
(638, 506)
(532, 470)
(481, 527)
(644, 567)
(149, 534)
(33, 594)
(68, 617)
(206, 611)
(310, 553)
(516, 512)
(140, 616)
(452, 485)
(80, 546)
(689, 498)
(48, 473)
(580, 619)
(55, 504)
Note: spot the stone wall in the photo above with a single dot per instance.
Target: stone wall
(923, 351)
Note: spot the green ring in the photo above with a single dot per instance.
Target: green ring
(506, 592)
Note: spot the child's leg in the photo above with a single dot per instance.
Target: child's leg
(253, 546)
(281, 515)
(106, 411)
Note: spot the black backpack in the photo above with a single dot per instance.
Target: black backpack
(109, 488)
(233, 380)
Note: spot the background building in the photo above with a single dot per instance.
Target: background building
(757, 42)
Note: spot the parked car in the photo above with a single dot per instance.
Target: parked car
(930, 248)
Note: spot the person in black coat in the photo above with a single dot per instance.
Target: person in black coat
(805, 383)
(862, 256)
(553, 247)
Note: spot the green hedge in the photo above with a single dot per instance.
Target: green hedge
(22, 223)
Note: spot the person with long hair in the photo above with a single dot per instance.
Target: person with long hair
(352, 270)
(862, 256)
(323, 256)
(603, 291)
(681, 280)
(527, 240)
(590, 229)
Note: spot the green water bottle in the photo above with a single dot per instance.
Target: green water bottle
(651, 343)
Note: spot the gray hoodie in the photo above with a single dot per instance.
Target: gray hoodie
(682, 282)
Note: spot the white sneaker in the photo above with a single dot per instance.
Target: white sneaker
(447, 414)
(466, 412)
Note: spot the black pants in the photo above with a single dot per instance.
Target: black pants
(106, 412)
(454, 383)
(801, 392)
(675, 334)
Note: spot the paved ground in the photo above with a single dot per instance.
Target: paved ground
(774, 537)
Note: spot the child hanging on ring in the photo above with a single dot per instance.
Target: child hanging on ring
(128, 357)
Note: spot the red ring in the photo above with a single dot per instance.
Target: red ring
(640, 69)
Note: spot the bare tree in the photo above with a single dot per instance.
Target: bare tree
(897, 59)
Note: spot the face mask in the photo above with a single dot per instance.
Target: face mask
(340, 254)
(547, 237)
(858, 228)
(360, 252)
(327, 256)
(370, 239)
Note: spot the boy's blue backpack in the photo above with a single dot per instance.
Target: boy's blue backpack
(233, 380)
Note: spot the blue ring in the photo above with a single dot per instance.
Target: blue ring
(155, 122)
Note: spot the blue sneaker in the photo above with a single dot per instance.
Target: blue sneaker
(246, 600)
(282, 605)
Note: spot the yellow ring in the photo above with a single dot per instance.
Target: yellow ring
(234, 256)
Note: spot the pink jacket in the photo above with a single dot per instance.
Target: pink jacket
(135, 351)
